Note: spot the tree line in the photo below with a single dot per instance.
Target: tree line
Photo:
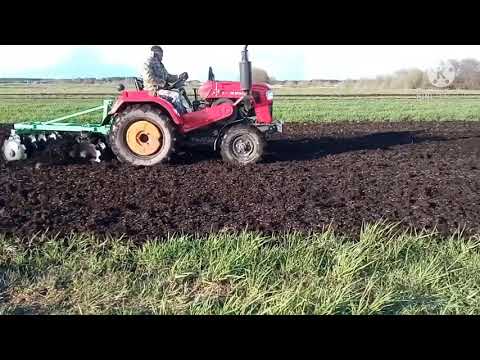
(467, 78)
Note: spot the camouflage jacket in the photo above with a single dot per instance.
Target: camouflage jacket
(155, 73)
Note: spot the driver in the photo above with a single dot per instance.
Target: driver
(157, 80)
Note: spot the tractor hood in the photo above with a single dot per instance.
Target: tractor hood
(228, 89)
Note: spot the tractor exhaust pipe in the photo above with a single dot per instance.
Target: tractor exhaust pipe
(246, 81)
(246, 72)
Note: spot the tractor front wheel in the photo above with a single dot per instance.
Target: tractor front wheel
(242, 145)
(142, 136)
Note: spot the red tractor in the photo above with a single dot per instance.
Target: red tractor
(143, 129)
(234, 117)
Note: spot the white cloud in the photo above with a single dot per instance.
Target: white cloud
(342, 62)
(194, 59)
(14, 58)
(281, 61)
(122, 55)
(225, 59)
(197, 59)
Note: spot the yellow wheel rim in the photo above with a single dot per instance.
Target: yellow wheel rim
(144, 138)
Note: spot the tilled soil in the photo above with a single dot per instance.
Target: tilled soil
(424, 175)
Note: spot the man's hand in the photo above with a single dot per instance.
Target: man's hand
(161, 84)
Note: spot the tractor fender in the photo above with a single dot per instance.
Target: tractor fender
(143, 97)
(223, 129)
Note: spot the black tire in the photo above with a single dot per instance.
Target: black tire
(227, 101)
(242, 145)
(131, 115)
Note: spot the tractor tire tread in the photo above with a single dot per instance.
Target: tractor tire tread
(141, 112)
(228, 157)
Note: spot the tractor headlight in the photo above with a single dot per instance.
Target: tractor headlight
(269, 95)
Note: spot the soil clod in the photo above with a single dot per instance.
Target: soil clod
(424, 175)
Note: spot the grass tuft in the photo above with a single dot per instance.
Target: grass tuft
(384, 270)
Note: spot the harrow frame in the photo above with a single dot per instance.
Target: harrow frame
(58, 125)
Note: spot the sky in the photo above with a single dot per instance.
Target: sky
(284, 62)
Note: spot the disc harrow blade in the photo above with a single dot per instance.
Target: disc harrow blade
(54, 148)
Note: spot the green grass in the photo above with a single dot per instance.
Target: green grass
(383, 271)
(377, 109)
(65, 88)
(346, 91)
(58, 88)
(404, 107)
(19, 110)
(287, 109)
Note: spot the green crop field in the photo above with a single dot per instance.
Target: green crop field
(289, 109)
(377, 109)
(111, 88)
(286, 109)
(18, 110)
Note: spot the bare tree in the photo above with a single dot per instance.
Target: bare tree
(468, 73)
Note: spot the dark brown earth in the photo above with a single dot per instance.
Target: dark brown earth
(423, 175)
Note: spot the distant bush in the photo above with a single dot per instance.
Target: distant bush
(403, 79)
(467, 70)
(468, 74)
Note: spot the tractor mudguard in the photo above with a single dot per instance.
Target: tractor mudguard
(144, 97)
(199, 119)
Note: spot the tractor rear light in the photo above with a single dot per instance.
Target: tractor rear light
(269, 95)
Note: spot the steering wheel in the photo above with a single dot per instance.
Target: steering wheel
(182, 78)
(173, 85)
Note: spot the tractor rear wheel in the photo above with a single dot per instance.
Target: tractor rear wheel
(242, 145)
(142, 136)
